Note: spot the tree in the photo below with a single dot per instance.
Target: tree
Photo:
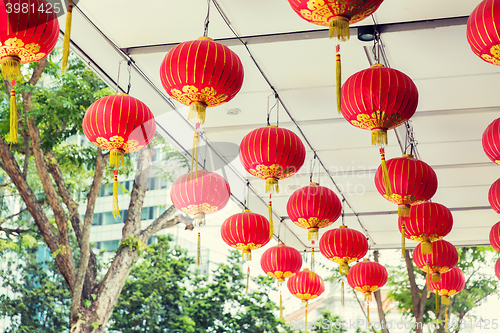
(48, 115)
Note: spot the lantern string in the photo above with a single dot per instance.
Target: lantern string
(312, 168)
(279, 230)
(118, 76)
(129, 63)
(269, 110)
(342, 214)
(207, 19)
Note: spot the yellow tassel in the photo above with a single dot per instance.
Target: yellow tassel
(312, 234)
(368, 297)
(281, 306)
(116, 159)
(342, 295)
(344, 268)
(403, 211)
(198, 252)
(403, 241)
(436, 277)
(67, 36)
(246, 255)
(279, 282)
(194, 155)
(306, 320)
(339, 28)
(272, 185)
(248, 280)
(426, 247)
(199, 220)
(13, 117)
(445, 318)
(445, 300)
(379, 138)
(271, 224)
(437, 303)
(385, 174)
(368, 312)
(197, 112)
(304, 303)
(312, 275)
(11, 68)
(116, 209)
(339, 82)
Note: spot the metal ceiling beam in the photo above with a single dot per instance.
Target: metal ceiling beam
(307, 35)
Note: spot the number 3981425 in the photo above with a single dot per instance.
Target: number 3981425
(25, 8)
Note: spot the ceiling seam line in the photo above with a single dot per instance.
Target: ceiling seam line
(293, 120)
(172, 105)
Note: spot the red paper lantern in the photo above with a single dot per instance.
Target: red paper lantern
(29, 32)
(335, 13)
(427, 223)
(313, 207)
(200, 74)
(379, 99)
(412, 182)
(367, 277)
(491, 141)
(200, 193)
(482, 31)
(306, 286)
(494, 196)
(444, 257)
(343, 246)
(121, 124)
(272, 153)
(495, 236)
(281, 262)
(452, 282)
(497, 269)
(246, 231)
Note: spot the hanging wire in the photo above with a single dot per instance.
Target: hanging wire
(271, 109)
(277, 110)
(312, 169)
(118, 76)
(343, 215)
(279, 229)
(207, 19)
(129, 63)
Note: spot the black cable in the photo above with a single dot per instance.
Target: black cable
(207, 19)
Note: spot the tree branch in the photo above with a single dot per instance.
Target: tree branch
(378, 298)
(164, 221)
(26, 155)
(85, 252)
(66, 264)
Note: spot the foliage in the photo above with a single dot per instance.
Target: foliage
(38, 299)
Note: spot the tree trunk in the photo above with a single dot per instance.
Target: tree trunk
(380, 305)
(418, 296)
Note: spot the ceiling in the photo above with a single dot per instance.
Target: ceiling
(424, 39)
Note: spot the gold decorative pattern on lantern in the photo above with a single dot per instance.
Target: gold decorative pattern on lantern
(494, 56)
(16, 47)
(191, 94)
(321, 11)
(280, 275)
(312, 222)
(437, 269)
(406, 200)
(343, 260)
(202, 208)
(367, 289)
(273, 171)
(425, 238)
(377, 119)
(305, 296)
(249, 246)
(446, 292)
(118, 143)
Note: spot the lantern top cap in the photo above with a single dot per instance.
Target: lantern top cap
(377, 66)
(281, 243)
(408, 155)
(343, 226)
(121, 94)
(366, 259)
(205, 38)
(246, 210)
(313, 184)
(271, 126)
(305, 270)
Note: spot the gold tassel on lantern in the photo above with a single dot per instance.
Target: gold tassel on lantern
(194, 155)
(342, 294)
(379, 137)
(116, 209)
(271, 224)
(13, 117)
(199, 220)
(198, 252)
(426, 247)
(197, 112)
(445, 300)
(311, 273)
(437, 303)
(281, 306)
(344, 268)
(368, 297)
(445, 317)
(272, 185)
(312, 234)
(436, 277)
(67, 36)
(116, 159)
(385, 174)
(339, 28)
(248, 280)
(403, 241)
(306, 320)
(338, 82)
(403, 211)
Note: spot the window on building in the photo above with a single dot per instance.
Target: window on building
(163, 183)
(108, 218)
(97, 219)
(152, 213)
(111, 245)
(152, 184)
